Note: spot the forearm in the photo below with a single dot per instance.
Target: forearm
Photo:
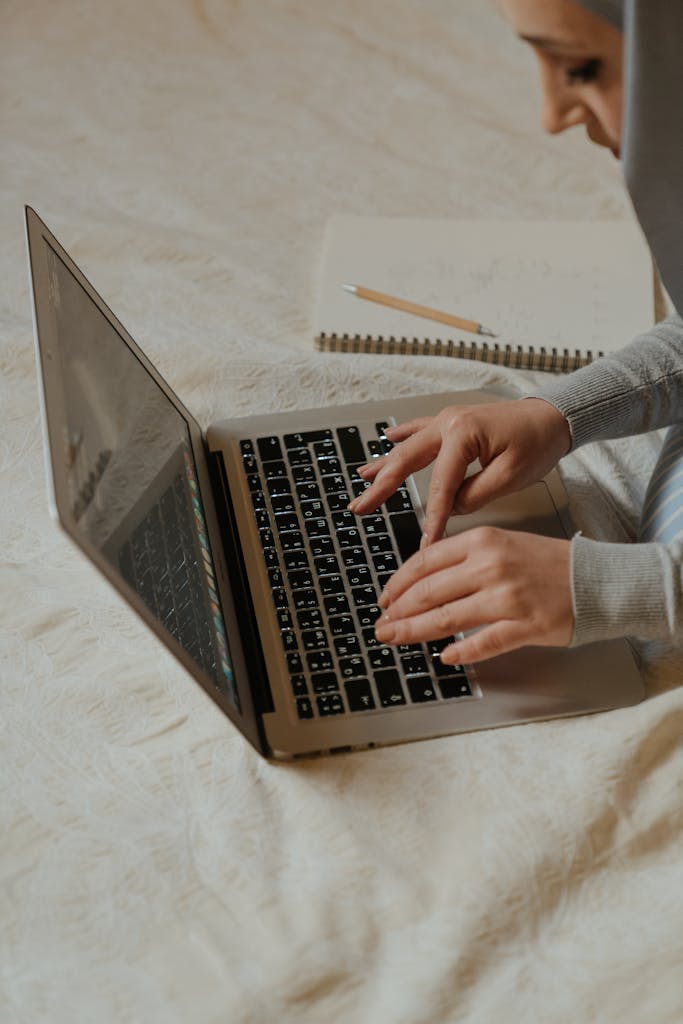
(626, 590)
(637, 389)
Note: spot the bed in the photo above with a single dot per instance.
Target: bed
(153, 867)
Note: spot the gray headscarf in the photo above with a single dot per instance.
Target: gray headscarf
(652, 130)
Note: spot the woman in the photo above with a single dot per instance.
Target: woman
(615, 68)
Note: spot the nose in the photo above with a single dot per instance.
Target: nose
(561, 108)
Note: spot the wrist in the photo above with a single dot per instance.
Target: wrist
(553, 424)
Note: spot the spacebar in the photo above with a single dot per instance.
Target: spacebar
(407, 533)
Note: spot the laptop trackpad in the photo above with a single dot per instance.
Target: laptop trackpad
(531, 510)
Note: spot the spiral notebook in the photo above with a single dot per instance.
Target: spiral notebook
(557, 294)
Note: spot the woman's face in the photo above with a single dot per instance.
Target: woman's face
(580, 60)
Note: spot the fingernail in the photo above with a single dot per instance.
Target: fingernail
(382, 600)
(352, 505)
(449, 655)
(362, 470)
(384, 630)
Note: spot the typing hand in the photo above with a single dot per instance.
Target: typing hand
(515, 585)
(516, 443)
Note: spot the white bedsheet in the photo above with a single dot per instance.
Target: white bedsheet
(152, 867)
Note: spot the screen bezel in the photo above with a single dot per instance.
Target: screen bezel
(54, 424)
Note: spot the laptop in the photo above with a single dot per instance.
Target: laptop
(235, 545)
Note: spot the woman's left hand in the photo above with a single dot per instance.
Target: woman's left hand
(514, 585)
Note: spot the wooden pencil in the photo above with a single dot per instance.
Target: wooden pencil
(417, 310)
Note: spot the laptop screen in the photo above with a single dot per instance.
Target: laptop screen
(131, 477)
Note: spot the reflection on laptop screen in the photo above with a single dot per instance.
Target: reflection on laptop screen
(131, 477)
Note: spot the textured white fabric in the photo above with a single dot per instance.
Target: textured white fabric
(152, 868)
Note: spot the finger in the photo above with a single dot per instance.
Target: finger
(448, 474)
(442, 555)
(498, 638)
(455, 617)
(441, 587)
(370, 470)
(414, 453)
(495, 480)
(403, 430)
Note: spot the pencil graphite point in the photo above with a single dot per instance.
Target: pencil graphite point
(350, 288)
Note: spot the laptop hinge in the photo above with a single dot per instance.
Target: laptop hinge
(237, 573)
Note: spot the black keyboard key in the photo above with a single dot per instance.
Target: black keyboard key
(369, 638)
(407, 533)
(368, 616)
(283, 504)
(300, 579)
(345, 646)
(351, 444)
(334, 483)
(331, 585)
(321, 546)
(336, 604)
(358, 486)
(329, 467)
(338, 502)
(442, 669)
(382, 657)
(310, 618)
(289, 641)
(324, 682)
(312, 509)
(364, 596)
(352, 666)
(300, 457)
(359, 695)
(279, 597)
(436, 646)
(319, 661)
(454, 686)
(375, 449)
(296, 560)
(317, 527)
(354, 556)
(374, 524)
(383, 578)
(344, 520)
(325, 449)
(308, 492)
(304, 708)
(278, 485)
(421, 689)
(299, 688)
(381, 427)
(269, 448)
(307, 437)
(262, 518)
(270, 558)
(389, 688)
(331, 704)
(273, 469)
(250, 464)
(247, 447)
(275, 577)
(341, 625)
(304, 599)
(267, 539)
(379, 542)
(284, 618)
(414, 664)
(258, 499)
(303, 474)
(254, 482)
(313, 639)
(349, 538)
(359, 576)
(294, 663)
(399, 501)
(291, 541)
(326, 565)
(286, 521)
(385, 562)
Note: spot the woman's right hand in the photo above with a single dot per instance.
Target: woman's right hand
(516, 442)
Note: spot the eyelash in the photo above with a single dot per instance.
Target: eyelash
(586, 72)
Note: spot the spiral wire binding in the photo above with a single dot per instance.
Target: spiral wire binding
(519, 358)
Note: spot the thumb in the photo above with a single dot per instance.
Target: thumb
(489, 483)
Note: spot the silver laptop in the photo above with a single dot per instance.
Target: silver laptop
(236, 548)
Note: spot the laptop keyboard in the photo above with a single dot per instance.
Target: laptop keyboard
(327, 567)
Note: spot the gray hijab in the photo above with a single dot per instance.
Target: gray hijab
(652, 131)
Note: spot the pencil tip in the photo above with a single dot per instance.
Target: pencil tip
(350, 288)
(487, 331)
